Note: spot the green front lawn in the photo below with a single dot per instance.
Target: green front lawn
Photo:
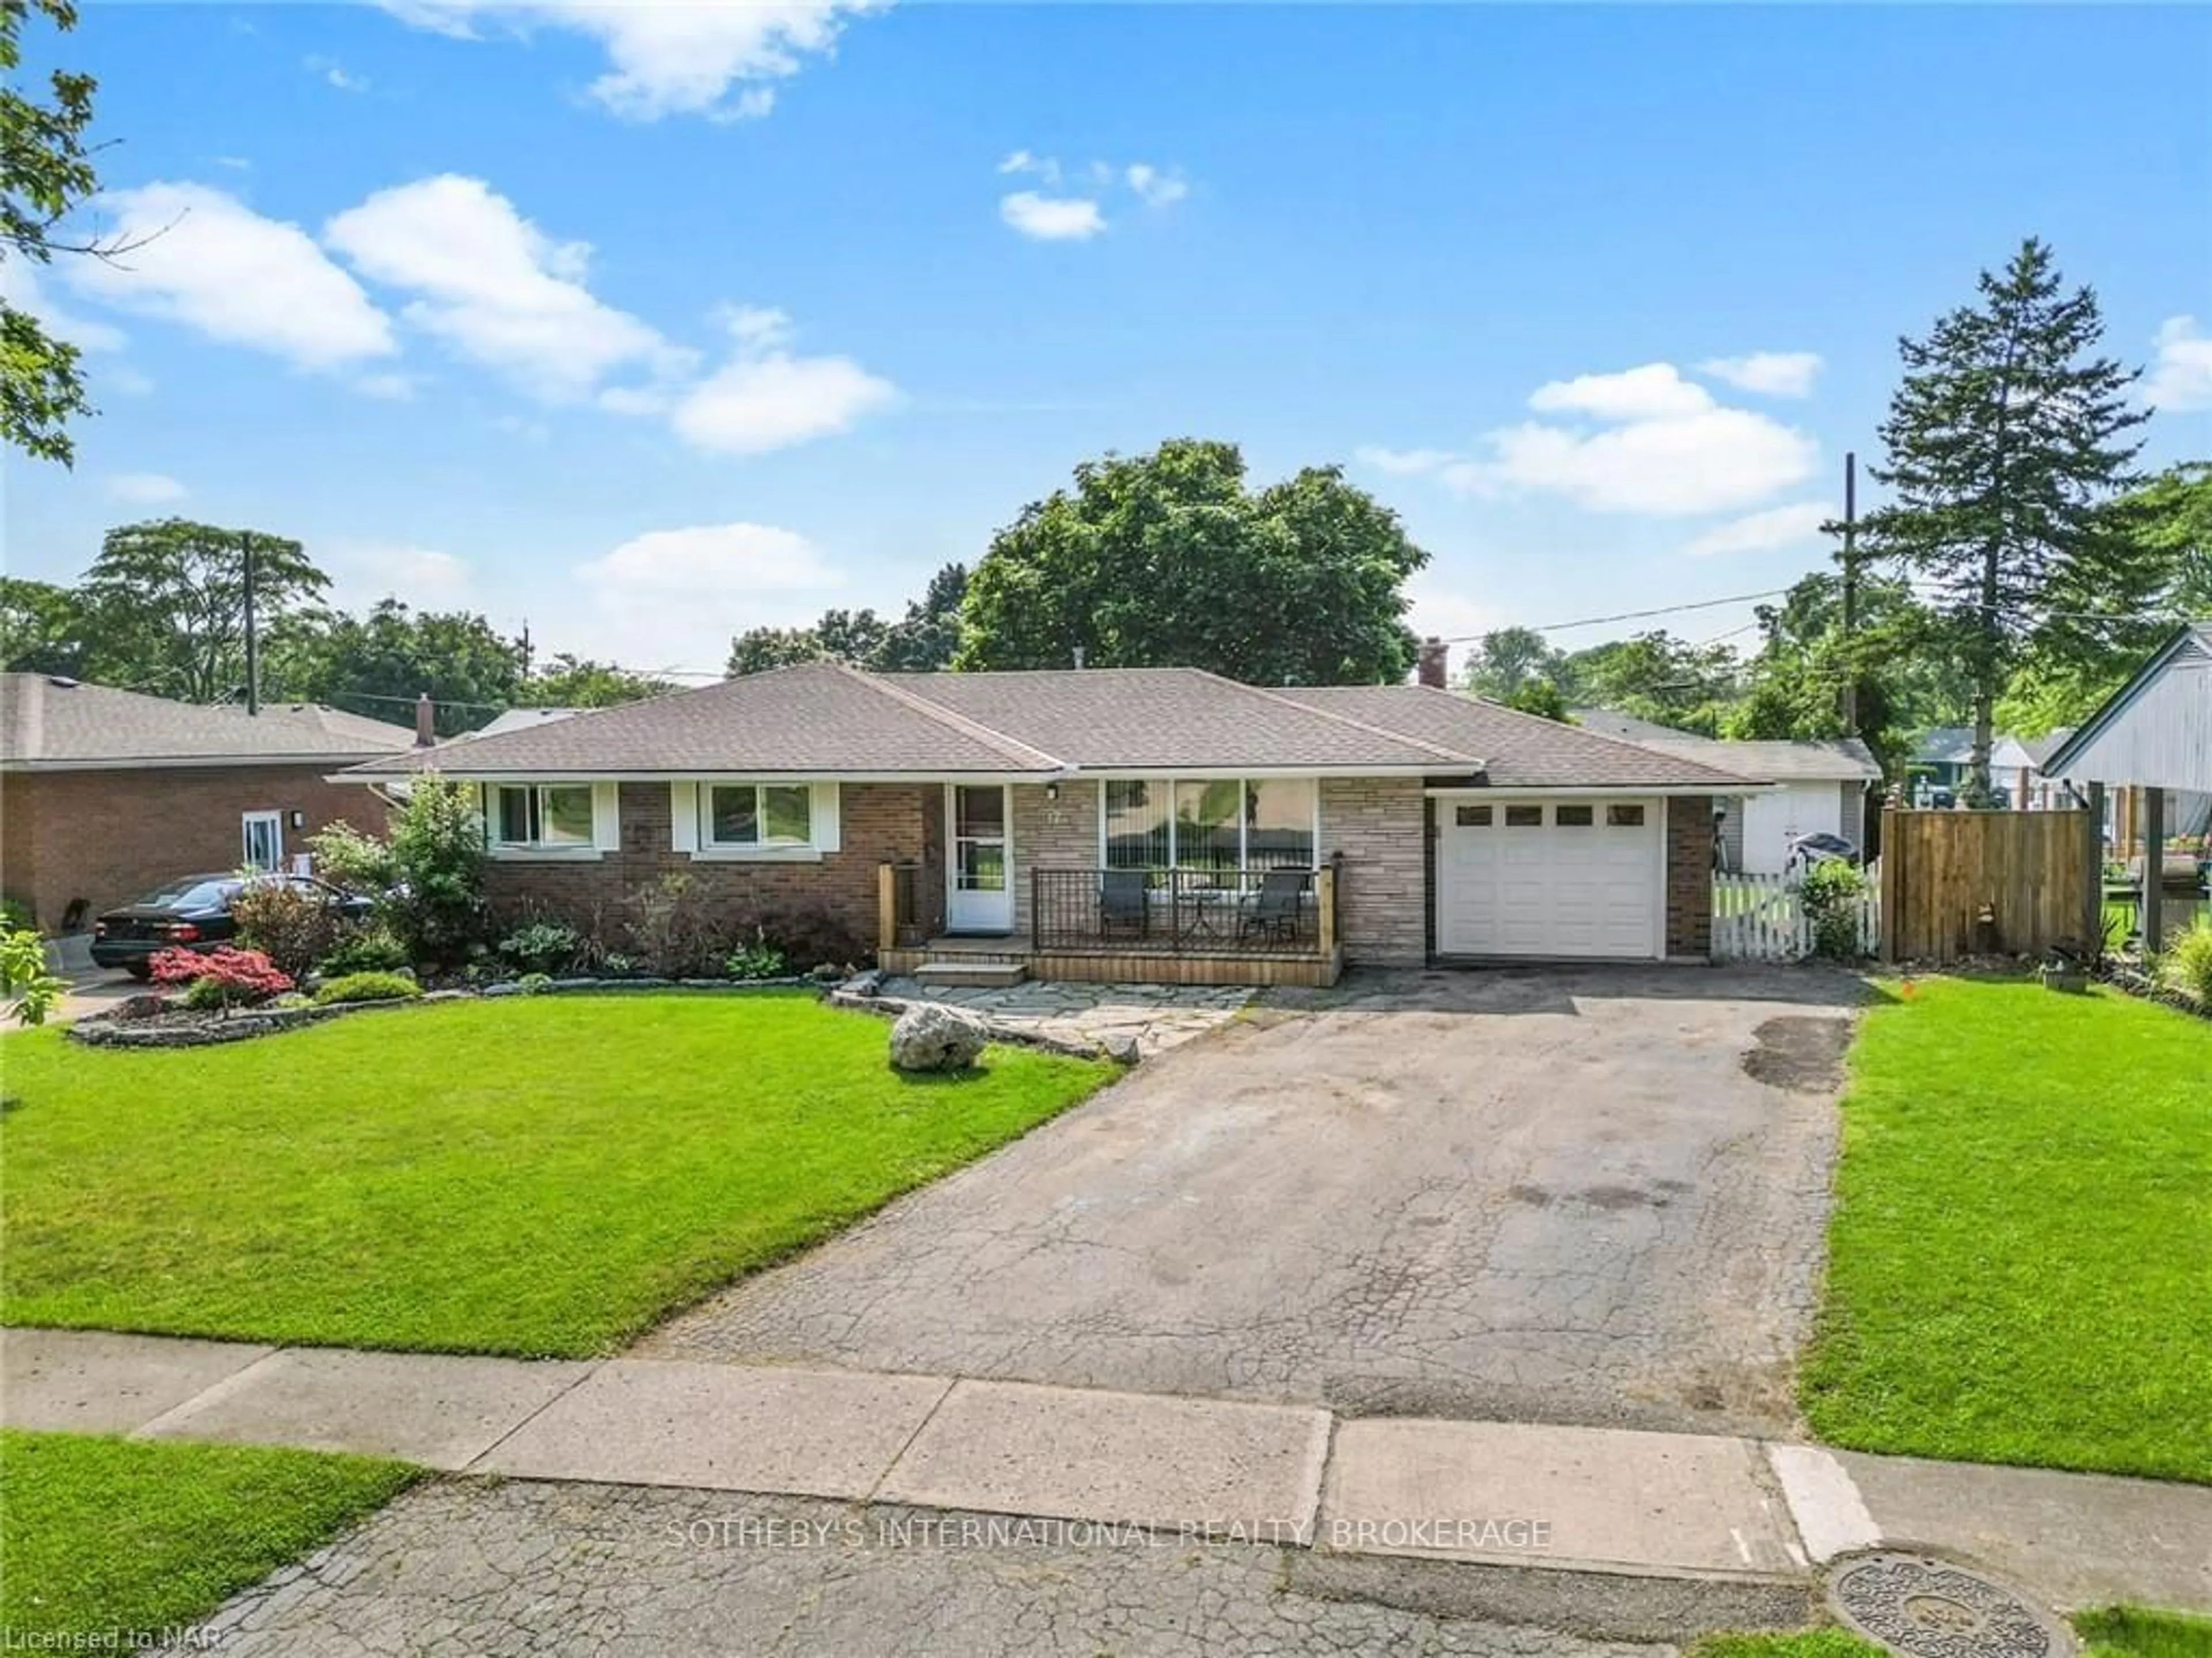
(536, 1176)
(2023, 1234)
(2106, 1632)
(103, 1539)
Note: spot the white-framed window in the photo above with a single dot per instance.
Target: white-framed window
(756, 816)
(739, 818)
(1209, 823)
(551, 819)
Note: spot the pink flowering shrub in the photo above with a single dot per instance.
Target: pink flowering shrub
(223, 979)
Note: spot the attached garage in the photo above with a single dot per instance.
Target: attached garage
(1545, 877)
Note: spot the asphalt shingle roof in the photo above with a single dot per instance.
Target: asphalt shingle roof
(822, 720)
(1178, 719)
(1520, 750)
(51, 721)
(814, 718)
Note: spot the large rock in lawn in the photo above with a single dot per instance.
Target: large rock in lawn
(930, 1037)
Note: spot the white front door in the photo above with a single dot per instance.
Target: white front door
(979, 874)
(263, 839)
(1550, 877)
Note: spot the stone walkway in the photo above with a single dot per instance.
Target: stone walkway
(1743, 1520)
(1160, 1017)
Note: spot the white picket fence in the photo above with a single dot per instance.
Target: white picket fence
(1761, 918)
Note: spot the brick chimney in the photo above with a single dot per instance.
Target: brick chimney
(426, 721)
(1434, 666)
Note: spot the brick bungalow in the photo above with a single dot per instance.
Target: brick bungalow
(106, 794)
(1162, 823)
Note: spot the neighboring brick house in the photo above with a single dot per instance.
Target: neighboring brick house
(106, 794)
(1134, 822)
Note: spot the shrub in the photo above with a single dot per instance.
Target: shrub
(221, 980)
(671, 930)
(367, 987)
(533, 984)
(429, 876)
(291, 925)
(757, 960)
(371, 949)
(31, 990)
(809, 934)
(543, 947)
(1831, 895)
(2187, 964)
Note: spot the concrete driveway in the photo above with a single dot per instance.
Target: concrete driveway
(1591, 1196)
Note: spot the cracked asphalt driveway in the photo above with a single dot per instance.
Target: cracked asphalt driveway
(1577, 1195)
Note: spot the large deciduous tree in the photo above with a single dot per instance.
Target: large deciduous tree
(1656, 677)
(1507, 662)
(166, 601)
(379, 663)
(42, 629)
(2006, 445)
(573, 682)
(921, 641)
(1167, 559)
(45, 170)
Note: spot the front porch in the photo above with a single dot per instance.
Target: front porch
(1134, 926)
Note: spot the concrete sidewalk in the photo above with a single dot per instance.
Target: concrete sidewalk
(1737, 1515)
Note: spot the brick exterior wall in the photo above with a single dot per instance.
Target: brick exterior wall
(108, 837)
(1380, 825)
(1060, 833)
(880, 823)
(1690, 876)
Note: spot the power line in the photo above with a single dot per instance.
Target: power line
(1634, 616)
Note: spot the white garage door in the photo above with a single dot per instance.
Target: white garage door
(1550, 877)
(1771, 821)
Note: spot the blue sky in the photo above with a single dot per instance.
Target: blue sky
(647, 327)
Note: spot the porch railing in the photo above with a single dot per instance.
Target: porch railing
(1184, 912)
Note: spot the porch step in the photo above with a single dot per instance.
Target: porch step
(971, 975)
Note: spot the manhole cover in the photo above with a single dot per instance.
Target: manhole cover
(1932, 1609)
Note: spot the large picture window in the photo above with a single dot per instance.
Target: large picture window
(1209, 823)
(542, 815)
(756, 814)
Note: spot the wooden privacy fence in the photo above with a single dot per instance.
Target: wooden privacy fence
(1761, 918)
(1957, 883)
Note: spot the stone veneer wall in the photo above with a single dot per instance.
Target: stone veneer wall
(1380, 824)
(1690, 876)
(1048, 833)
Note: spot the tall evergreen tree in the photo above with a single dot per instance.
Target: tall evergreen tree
(2007, 444)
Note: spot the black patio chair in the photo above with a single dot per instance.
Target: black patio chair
(1275, 911)
(1124, 901)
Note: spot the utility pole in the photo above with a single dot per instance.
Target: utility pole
(1850, 592)
(252, 641)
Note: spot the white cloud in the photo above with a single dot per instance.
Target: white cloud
(424, 579)
(1768, 374)
(495, 287)
(1068, 218)
(336, 74)
(1052, 218)
(1649, 441)
(1655, 392)
(205, 259)
(757, 401)
(1403, 462)
(145, 489)
(2180, 377)
(1699, 462)
(388, 388)
(1759, 532)
(1154, 187)
(20, 287)
(717, 60)
(672, 598)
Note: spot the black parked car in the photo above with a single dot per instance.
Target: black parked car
(192, 913)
